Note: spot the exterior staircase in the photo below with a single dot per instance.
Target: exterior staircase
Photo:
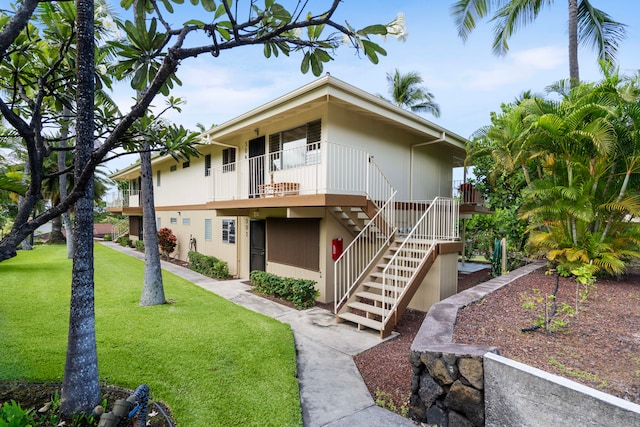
(354, 218)
(376, 278)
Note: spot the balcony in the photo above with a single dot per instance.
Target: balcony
(471, 200)
(300, 171)
(124, 201)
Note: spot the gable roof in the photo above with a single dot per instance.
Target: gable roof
(330, 89)
(324, 90)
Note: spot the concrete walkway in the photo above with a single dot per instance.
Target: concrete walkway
(332, 392)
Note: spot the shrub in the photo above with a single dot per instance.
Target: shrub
(140, 245)
(125, 241)
(107, 237)
(302, 293)
(208, 265)
(167, 241)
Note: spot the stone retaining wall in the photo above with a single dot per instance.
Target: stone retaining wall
(447, 388)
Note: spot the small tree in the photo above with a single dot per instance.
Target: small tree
(167, 241)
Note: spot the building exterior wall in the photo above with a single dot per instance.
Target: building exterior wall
(440, 282)
(390, 147)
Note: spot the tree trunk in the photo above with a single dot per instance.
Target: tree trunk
(574, 72)
(152, 288)
(62, 163)
(56, 236)
(80, 388)
(26, 242)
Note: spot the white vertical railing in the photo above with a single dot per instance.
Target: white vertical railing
(123, 199)
(437, 224)
(320, 168)
(363, 251)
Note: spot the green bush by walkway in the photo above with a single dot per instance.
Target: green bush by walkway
(211, 361)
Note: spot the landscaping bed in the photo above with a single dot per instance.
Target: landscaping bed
(600, 349)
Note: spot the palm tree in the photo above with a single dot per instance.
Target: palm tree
(406, 92)
(586, 25)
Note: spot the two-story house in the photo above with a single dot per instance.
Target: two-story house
(327, 183)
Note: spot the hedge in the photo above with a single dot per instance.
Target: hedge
(208, 265)
(302, 293)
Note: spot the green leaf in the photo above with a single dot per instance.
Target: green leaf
(126, 4)
(267, 50)
(378, 29)
(306, 62)
(139, 78)
(209, 5)
(317, 31)
(371, 50)
(280, 13)
(200, 24)
(316, 64)
(323, 55)
(167, 5)
(284, 47)
(220, 11)
(223, 33)
(195, 2)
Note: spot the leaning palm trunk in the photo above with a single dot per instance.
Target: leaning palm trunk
(152, 288)
(80, 388)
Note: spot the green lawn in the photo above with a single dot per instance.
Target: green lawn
(214, 363)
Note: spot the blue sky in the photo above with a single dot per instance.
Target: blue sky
(468, 81)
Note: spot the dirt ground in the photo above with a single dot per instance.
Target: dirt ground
(385, 368)
(598, 347)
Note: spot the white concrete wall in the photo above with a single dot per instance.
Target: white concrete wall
(440, 283)
(391, 150)
(215, 247)
(520, 395)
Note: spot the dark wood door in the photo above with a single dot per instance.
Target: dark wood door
(257, 238)
(256, 165)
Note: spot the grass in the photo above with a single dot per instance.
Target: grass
(211, 361)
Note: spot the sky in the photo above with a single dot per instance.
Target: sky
(466, 78)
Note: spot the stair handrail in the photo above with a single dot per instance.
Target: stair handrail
(120, 228)
(358, 256)
(424, 236)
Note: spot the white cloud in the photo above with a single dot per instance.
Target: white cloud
(517, 68)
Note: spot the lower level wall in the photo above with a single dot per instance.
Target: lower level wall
(520, 395)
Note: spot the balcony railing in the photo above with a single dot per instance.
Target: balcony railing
(123, 198)
(466, 193)
(320, 168)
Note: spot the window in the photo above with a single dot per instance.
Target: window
(207, 230)
(295, 147)
(158, 178)
(294, 242)
(228, 231)
(207, 165)
(173, 168)
(158, 223)
(228, 160)
(186, 221)
(173, 220)
(186, 165)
